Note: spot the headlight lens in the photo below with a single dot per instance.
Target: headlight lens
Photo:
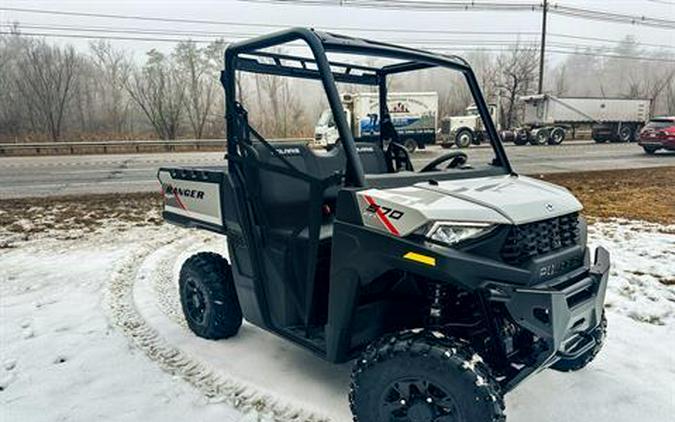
(453, 232)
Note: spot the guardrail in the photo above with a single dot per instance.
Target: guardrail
(83, 147)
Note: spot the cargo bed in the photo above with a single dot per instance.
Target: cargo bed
(193, 195)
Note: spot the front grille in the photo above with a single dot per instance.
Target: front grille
(527, 241)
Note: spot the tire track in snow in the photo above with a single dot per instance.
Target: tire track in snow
(118, 299)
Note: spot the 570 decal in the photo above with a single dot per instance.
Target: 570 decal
(385, 211)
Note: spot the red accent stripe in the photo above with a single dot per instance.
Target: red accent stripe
(180, 203)
(383, 218)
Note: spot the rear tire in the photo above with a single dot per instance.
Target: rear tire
(410, 144)
(650, 150)
(571, 365)
(464, 138)
(624, 134)
(208, 296)
(423, 376)
(539, 136)
(557, 136)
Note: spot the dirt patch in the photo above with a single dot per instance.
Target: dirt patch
(646, 194)
(638, 194)
(75, 216)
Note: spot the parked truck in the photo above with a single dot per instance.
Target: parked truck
(463, 131)
(548, 118)
(413, 115)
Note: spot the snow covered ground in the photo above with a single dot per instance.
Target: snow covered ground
(90, 329)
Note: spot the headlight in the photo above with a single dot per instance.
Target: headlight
(453, 232)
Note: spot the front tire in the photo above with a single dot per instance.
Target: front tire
(410, 144)
(464, 138)
(571, 365)
(650, 150)
(208, 296)
(423, 376)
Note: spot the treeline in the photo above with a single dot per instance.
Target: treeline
(48, 92)
(51, 93)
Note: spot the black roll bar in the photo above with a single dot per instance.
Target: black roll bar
(242, 56)
(354, 175)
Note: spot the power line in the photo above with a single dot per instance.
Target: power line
(250, 24)
(422, 5)
(242, 35)
(439, 49)
(267, 25)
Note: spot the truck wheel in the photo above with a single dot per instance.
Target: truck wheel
(539, 136)
(625, 134)
(423, 376)
(463, 138)
(521, 137)
(208, 297)
(571, 365)
(410, 144)
(557, 136)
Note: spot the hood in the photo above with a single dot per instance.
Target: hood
(518, 199)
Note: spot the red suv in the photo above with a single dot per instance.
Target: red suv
(658, 133)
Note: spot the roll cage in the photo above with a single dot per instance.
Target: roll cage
(246, 56)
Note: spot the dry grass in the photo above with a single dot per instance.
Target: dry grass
(638, 194)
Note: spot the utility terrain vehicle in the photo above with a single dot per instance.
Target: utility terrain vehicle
(449, 285)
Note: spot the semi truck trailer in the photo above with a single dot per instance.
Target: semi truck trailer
(549, 118)
(414, 115)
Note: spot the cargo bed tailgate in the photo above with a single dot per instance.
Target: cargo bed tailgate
(192, 196)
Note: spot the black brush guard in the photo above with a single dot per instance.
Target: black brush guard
(562, 312)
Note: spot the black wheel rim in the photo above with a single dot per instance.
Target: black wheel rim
(624, 134)
(195, 302)
(418, 400)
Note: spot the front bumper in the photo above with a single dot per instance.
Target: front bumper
(563, 312)
(657, 143)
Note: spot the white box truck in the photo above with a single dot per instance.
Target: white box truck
(414, 115)
(548, 118)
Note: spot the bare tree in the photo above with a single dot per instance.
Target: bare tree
(46, 82)
(113, 68)
(518, 69)
(158, 91)
(199, 77)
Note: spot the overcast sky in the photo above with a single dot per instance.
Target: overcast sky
(336, 17)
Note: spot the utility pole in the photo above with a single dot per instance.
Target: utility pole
(542, 48)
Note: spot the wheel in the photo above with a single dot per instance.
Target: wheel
(463, 138)
(539, 136)
(410, 144)
(420, 376)
(600, 140)
(571, 365)
(208, 297)
(650, 150)
(521, 137)
(557, 136)
(625, 134)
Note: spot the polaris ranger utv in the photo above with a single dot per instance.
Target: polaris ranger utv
(449, 285)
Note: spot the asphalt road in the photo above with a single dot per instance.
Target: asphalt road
(71, 175)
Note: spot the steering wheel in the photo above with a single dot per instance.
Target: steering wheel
(456, 158)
